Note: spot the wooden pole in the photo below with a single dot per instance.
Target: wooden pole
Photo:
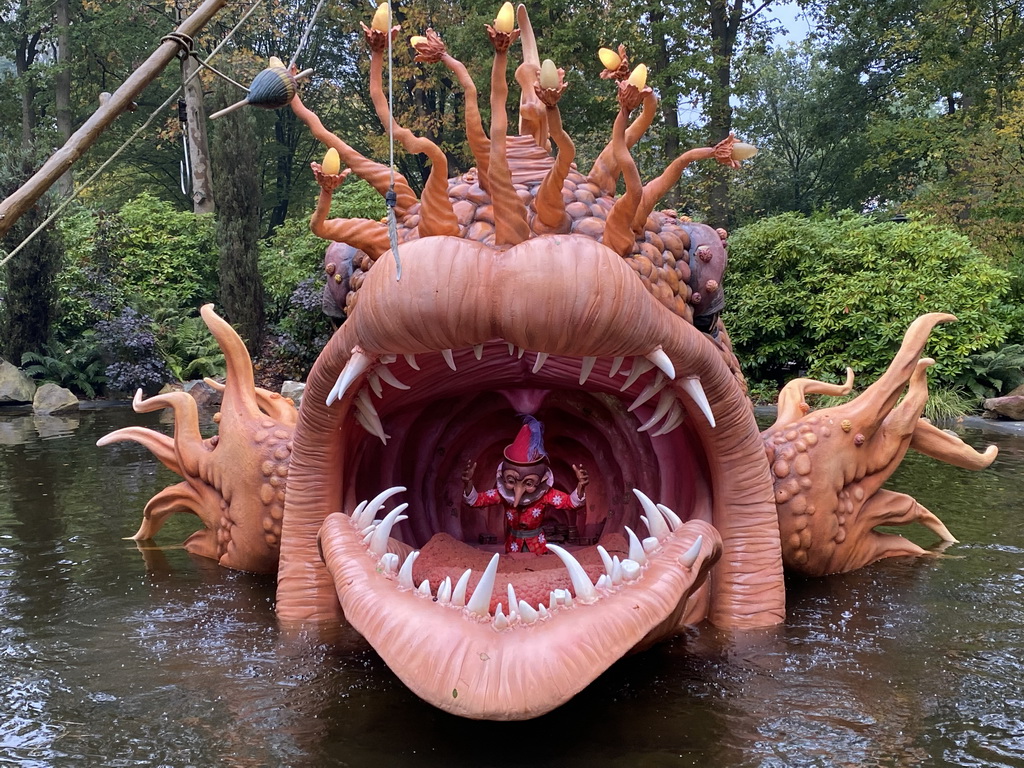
(61, 161)
(198, 146)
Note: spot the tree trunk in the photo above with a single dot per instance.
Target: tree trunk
(198, 145)
(725, 21)
(237, 188)
(62, 87)
(669, 104)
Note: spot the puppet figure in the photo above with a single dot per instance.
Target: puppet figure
(525, 488)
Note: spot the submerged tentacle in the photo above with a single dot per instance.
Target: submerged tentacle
(157, 443)
(944, 446)
(170, 501)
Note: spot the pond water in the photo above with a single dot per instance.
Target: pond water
(114, 656)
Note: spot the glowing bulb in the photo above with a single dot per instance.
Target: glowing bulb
(638, 76)
(610, 59)
(276, 63)
(548, 74)
(741, 151)
(381, 18)
(417, 40)
(506, 19)
(332, 162)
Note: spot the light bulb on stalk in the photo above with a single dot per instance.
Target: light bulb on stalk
(505, 21)
(381, 18)
(332, 162)
(638, 77)
(610, 59)
(548, 74)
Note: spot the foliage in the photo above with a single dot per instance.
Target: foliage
(187, 347)
(129, 345)
(146, 255)
(818, 294)
(994, 372)
(78, 367)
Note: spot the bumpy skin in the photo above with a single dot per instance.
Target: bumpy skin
(234, 481)
(527, 286)
(829, 466)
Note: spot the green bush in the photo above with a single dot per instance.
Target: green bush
(817, 294)
(147, 255)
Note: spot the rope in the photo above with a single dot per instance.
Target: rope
(391, 198)
(78, 190)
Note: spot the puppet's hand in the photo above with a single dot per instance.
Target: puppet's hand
(582, 479)
(467, 476)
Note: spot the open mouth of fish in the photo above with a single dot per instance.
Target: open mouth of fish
(411, 391)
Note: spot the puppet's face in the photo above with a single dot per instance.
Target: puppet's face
(524, 484)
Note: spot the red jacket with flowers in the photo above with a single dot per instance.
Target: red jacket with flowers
(527, 518)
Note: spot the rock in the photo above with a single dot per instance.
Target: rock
(294, 390)
(1009, 407)
(52, 398)
(204, 395)
(15, 386)
(1016, 391)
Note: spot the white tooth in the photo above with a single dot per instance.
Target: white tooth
(539, 362)
(511, 347)
(379, 543)
(358, 511)
(386, 374)
(656, 523)
(660, 359)
(606, 559)
(586, 368)
(354, 368)
(553, 598)
(459, 593)
(448, 358)
(365, 407)
(674, 521)
(373, 379)
(527, 612)
(649, 391)
(603, 582)
(372, 507)
(616, 571)
(368, 536)
(387, 359)
(480, 602)
(636, 549)
(616, 364)
(581, 583)
(640, 366)
(520, 351)
(405, 575)
(424, 588)
(664, 405)
(478, 351)
(389, 562)
(542, 612)
(630, 570)
(512, 600)
(370, 428)
(500, 621)
(444, 591)
(411, 360)
(689, 557)
(567, 599)
(693, 388)
(673, 420)
(650, 544)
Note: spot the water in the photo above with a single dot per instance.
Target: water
(114, 656)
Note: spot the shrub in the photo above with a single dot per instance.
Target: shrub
(78, 367)
(994, 373)
(129, 345)
(817, 294)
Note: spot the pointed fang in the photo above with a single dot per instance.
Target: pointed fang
(606, 560)
(656, 522)
(636, 549)
(660, 359)
(387, 376)
(616, 364)
(649, 391)
(444, 591)
(405, 574)
(371, 508)
(586, 368)
(539, 362)
(689, 557)
(673, 420)
(354, 368)
(381, 534)
(527, 612)
(674, 521)
(641, 365)
(459, 593)
(411, 360)
(664, 406)
(424, 588)
(448, 358)
(581, 583)
(478, 351)
(480, 602)
(696, 391)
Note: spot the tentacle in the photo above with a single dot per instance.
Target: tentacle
(276, 406)
(365, 234)
(436, 214)
(376, 175)
(792, 403)
(939, 444)
(533, 117)
(606, 169)
(170, 501)
(618, 233)
(549, 203)
(510, 223)
(239, 401)
(159, 444)
(657, 188)
(479, 143)
(891, 508)
(189, 447)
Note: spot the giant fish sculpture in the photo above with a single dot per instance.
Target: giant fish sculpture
(527, 287)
